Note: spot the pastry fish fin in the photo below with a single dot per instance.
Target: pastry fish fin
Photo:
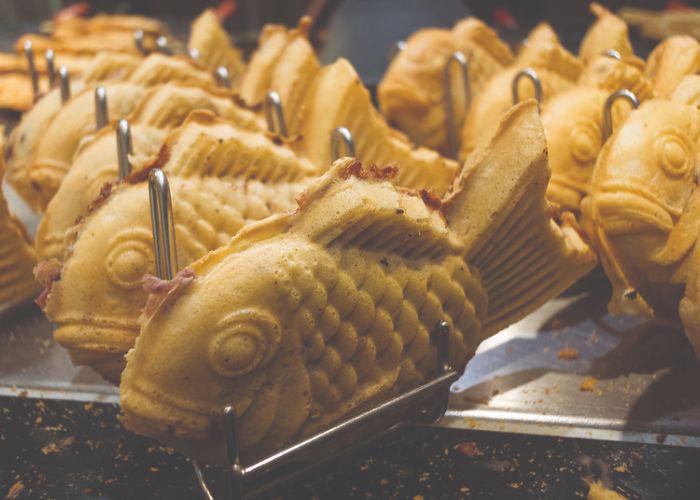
(497, 206)
(357, 206)
(207, 146)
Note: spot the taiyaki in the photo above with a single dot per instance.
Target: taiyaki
(670, 61)
(266, 177)
(307, 316)
(68, 27)
(272, 46)
(643, 209)
(196, 149)
(608, 32)
(96, 303)
(55, 150)
(87, 43)
(16, 253)
(338, 98)
(572, 122)
(106, 66)
(557, 69)
(412, 92)
(541, 33)
(214, 45)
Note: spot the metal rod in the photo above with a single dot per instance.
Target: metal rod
(613, 53)
(202, 482)
(273, 109)
(125, 147)
(138, 40)
(454, 125)
(101, 113)
(233, 452)
(31, 67)
(222, 77)
(64, 83)
(338, 135)
(163, 46)
(163, 224)
(395, 49)
(531, 75)
(50, 67)
(625, 94)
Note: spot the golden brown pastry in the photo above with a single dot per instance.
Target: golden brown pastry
(670, 61)
(412, 92)
(97, 301)
(573, 122)
(642, 211)
(273, 44)
(542, 33)
(16, 253)
(106, 66)
(70, 27)
(214, 45)
(557, 69)
(75, 120)
(660, 24)
(337, 99)
(608, 32)
(304, 317)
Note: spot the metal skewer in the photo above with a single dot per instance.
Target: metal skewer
(395, 407)
(338, 135)
(125, 147)
(31, 67)
(625, 94)
(163, 225)
(64, 83)
(454, 125)
(194, 53)
(50, 67)
(273, 110)
(138, 40)
(222, 77)
(395, 49)
(101, 113)
(163, 46)
(531, 75)
(613, 54)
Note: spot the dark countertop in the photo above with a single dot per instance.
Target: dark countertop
(60, 449)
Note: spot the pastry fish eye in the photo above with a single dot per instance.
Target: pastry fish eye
(584, 142)
(129, 257)
(243, 341)
(672, 152)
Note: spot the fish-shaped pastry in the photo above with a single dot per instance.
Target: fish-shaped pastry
(273, 43)
(643, 210)
(106, 66)
(248, 177)
(557, 69)
(671, 61)
(337, 98)
(608, 32)
(65, 27)
(16, 253)
(213, 45)
(97, 300)
(309, 315)
(203, 146)
(411, 93)
(57, 146)
(573, 122)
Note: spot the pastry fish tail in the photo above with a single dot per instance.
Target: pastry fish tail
(524, 253)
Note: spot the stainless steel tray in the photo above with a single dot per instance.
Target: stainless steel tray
(647, 387)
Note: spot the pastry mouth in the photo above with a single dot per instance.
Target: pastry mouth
(158, 415)
(625, 210)
(104, 336)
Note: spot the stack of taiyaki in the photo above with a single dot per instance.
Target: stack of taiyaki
(309, 289)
